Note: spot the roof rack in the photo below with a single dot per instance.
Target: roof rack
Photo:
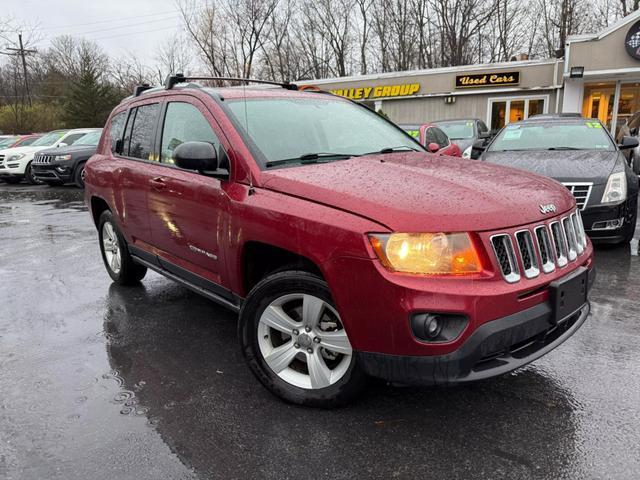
(141, 88)
(181, 78)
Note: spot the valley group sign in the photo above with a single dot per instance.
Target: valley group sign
(476, 80)
(384, 91)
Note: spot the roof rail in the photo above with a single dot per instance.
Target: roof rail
(181, 78)
(140, 88)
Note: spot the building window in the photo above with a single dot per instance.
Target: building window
(507, 110)
(598, 102)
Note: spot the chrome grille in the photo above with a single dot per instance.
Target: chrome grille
(43, 159)
(527, 254)
(545, 248)
(542, 248)
(503, 248)
(1, 161)
(581, 192)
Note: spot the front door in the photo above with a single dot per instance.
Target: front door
(187, 210)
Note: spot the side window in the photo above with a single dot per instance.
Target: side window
(71, 139)
(430, 137)
(184, 123)
(115, 129)
(442, 138)
(139, 143)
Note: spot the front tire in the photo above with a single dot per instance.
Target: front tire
(78, 176)
(119, 264)
(294, 341)
(631, 226)
(30, 177)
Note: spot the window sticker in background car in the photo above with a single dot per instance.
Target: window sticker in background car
(513, 133)
(414, 133)
(594, 125)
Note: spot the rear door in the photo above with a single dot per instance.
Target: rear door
(188, 211)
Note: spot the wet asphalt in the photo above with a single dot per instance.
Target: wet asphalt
(99, 381)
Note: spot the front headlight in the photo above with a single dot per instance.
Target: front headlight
(427, 253)
(616, 190)
(63, 157)
(467, 152)
(15, 157)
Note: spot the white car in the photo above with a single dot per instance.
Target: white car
(15, 163)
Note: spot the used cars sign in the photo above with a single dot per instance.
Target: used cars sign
(488, 79)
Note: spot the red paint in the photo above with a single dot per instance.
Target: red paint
(323, 212)
(451, 150)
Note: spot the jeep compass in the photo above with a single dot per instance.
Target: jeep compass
(347, 250)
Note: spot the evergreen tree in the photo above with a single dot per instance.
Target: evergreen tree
(89, 100)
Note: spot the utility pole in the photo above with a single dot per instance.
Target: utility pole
(22, 52)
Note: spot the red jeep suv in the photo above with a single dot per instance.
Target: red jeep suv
(347, 249)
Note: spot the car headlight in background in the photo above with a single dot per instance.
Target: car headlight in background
(467, 152)
(15, 157)
(616, 190)
(427, 253)
(63, 157)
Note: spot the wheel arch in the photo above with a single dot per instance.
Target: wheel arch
(98, 205)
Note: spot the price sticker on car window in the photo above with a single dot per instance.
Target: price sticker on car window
(594, 125)
(512, 134)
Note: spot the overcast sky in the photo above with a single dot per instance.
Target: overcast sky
(119, 26)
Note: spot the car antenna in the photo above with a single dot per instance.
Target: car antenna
(246, 127)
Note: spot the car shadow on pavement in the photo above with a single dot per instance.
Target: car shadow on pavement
(177, 359)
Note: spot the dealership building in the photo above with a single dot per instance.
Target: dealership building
(599, 77)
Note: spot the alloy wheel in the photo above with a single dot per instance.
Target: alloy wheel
(111, 247)
(303, 341)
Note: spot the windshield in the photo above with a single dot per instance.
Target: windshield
(458, 130)
(316, 129)
(49, 139)
(5, 142)
(553, 136)
(90, 139)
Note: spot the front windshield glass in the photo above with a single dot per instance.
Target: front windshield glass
(90, 139)
(458, 130)
(49, 139)
(316, 127)
(553, 136)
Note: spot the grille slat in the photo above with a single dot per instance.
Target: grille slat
(527, 254)
(581, 192)
(570, 235)
(546, 249)
(43, 159)
(503, 248)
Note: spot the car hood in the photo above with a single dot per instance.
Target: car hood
(562, 165)
(71, 150)
(420, 192)
(13, 151)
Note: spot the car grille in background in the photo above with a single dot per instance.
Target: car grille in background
(1, 161)
(544, 247)
(43, 159)
(581, 192)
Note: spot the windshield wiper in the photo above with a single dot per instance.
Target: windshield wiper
(401, 148)
(564, 148)
(308, 158)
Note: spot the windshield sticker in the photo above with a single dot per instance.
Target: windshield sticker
(414, 133)
(512, 134)
(593, 125)
(513, 127)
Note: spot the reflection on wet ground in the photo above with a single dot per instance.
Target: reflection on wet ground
(100, 381)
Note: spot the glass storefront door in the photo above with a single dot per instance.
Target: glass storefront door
(507, 110)
(598, 102)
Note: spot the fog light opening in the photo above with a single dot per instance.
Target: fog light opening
(432, 326)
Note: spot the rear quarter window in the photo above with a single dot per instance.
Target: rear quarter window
(138, 139)
(115, 129)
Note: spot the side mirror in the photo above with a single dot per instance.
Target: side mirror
(200, 156)
(433, 147)
(480, 145)
(628, 143)
(484, 135)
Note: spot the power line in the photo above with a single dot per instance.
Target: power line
(129, 25)
(110, 21)
(133, 33)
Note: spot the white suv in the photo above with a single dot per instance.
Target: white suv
(15, 163)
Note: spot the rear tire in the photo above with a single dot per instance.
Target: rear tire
(119, 264)
(313, 366)
(78, 176)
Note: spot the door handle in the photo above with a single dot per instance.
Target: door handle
(158, 183)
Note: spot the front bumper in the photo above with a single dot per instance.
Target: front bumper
(603, 213)
(495, 348)
(51, 172)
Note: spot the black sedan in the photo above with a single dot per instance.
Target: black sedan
(581, 154)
